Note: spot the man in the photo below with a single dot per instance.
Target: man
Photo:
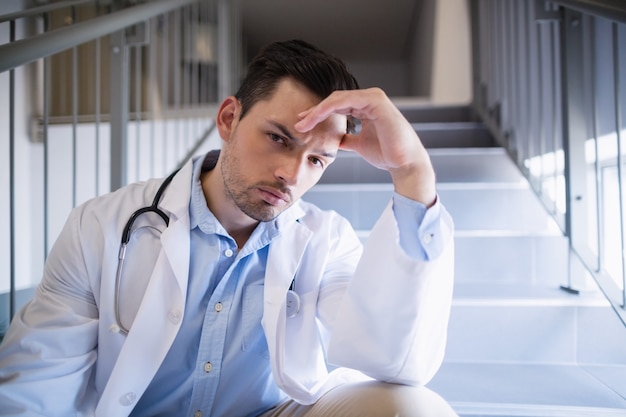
(250, 302)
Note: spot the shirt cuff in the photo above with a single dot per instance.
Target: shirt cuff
(423, 232)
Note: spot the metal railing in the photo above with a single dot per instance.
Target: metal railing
(550, 83)
(94, 95)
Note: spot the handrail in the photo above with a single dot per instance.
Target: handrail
(24, 51)
(609, 9)
(548, 113)
(34, 11)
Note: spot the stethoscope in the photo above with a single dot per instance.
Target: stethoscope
(118, 327)
(293, 299)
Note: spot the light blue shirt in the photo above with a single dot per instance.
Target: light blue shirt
(219, 364)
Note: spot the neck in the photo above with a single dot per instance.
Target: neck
(238, 225)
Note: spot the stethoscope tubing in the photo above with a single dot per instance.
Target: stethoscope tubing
(293, 300)
(118, 326)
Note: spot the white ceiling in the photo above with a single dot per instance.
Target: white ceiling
(350, 29)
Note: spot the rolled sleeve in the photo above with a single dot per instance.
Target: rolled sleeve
(424, 232)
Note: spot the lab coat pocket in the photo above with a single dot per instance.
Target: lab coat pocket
(253, 335)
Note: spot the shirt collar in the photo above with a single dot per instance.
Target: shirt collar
(199, 214)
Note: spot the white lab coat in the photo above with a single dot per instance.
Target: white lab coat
(387, 319)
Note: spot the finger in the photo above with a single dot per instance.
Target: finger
(303, 114)
(340, 102)
(310, 118)
(348, 142)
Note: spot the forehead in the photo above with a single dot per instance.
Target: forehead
(289, 99)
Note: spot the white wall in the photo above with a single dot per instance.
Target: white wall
(452, 66)
(391, 76)
(439, 55)
(420, 49)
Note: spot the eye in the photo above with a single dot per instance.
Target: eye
(277, 138)
(316, 161)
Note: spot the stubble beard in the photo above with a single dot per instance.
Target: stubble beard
(239, 193)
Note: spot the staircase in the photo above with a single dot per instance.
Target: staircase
(518, 345)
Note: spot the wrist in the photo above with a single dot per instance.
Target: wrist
(416, 183)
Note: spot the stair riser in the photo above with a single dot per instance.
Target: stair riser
(461, 136)
(535, 333)
(511, 259)
(440, 114)
(451, 165)
(513, 209)
(505, 209)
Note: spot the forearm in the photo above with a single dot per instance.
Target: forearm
(393, 319)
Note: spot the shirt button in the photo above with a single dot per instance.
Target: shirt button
(208, 367)
(428, 238)
(174, 316)
(128, 398)
(219, 307)
(228, 253)
(197, 414)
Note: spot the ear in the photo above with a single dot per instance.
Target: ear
(227, 117)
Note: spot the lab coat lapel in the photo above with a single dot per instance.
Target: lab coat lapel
(285, 254)
(161, 312)
(175, 239)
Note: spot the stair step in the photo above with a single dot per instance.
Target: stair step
(437, 114)
(528, 390)
(448, 126)
(482, 165)
(454, 135)
(511, 258)
(533, 323)
(525, 294)
(491, 165)
(486, 206)
(489, 206)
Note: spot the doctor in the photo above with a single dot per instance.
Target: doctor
(250, 302)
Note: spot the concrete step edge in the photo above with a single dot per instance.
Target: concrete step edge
(531, 410)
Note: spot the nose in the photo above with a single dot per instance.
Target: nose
(289, 170)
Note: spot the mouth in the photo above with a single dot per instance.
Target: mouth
(273, 196)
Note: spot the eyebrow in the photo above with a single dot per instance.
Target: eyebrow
(285, 131)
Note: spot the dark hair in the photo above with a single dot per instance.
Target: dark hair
(317, 70)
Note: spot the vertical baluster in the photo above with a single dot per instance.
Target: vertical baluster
(45, 132)
(97, 120)
(620, 158)
(74, 71)
(12, 179)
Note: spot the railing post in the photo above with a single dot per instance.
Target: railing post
(475, 25)
(224, 48)
(118, 108)
(574, 136)
(229, 47)
(12, 185)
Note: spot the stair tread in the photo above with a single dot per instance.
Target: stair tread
(558, 385)
(451, 164)
(526, 293)
(420, 111)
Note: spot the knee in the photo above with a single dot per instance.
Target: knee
(379, 399)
